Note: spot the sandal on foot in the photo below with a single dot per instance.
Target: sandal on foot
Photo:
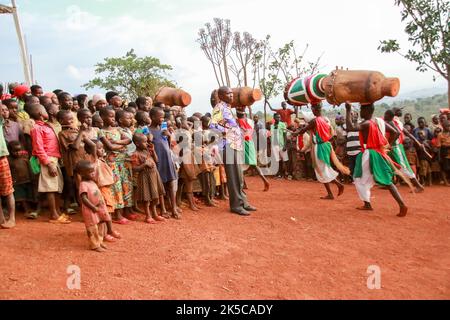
(132, 217)
(150, 221)
(109, 238)
(32, 215)
(116, 235)
(123, 221)
(61, 220)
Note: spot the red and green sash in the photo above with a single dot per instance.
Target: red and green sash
(381, 166)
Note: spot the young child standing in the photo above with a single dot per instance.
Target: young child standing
(22, 178)
(46, 148)
(6, 183)
(150, 189)
(115, 146)
(166, 166)
(104, 178)
(93, 207)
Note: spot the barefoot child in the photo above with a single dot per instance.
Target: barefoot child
(72, 147)
(22, 178)
(46, 149)
(322, 152)
(373, 165)
(150, 189)
(6, 183)
(104, 178)
(93, 207)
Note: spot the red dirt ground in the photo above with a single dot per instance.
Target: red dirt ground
(294, 247)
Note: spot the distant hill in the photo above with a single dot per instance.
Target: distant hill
(425, 107)
(422, 93)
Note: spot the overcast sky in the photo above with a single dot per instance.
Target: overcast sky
(67, 38)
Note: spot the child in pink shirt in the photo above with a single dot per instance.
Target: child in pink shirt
(93, 207)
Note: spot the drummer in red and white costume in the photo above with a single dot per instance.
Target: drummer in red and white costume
(322, 152)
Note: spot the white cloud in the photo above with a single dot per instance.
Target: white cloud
(348, 31)
(73, 72)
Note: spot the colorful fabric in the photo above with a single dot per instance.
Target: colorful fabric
(399, 156)
(372, 165)
(131, 148)
(376, 139)
(306, 90)
(323, 150)
(122, 189)
(6, 181)
(113, 135)
(247, 129)
(222, 115)
(323, 129)
(44, 142)
(379, 167)
(250, 153)
(399, 125)
(324, 172)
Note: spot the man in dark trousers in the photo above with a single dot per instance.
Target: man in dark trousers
(233, 152)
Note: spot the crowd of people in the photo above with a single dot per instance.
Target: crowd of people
(117, 162)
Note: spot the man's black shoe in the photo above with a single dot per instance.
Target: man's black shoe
(250, 208)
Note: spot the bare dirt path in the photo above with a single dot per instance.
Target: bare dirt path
(295, 247)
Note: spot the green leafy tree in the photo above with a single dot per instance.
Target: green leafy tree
(427, 27)
(131, 76)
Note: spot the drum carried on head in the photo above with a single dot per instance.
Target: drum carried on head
(173, 97)
(302, 91)
(341, 86)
